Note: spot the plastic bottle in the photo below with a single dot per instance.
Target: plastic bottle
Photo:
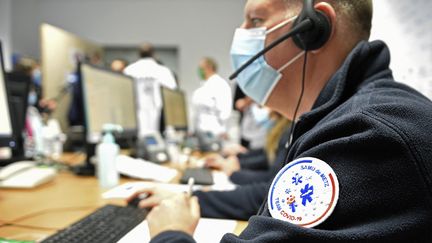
(106, 153)
(172, 145)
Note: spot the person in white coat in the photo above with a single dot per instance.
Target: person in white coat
(149, 76)
(212, 102)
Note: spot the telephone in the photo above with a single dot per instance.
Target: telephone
(208, 142)
(152, 147)
(25, 174)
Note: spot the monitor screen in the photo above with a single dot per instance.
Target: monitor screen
(174, 108)
(108, 98)
(5, 115)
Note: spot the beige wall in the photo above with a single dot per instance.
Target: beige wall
(58, 48)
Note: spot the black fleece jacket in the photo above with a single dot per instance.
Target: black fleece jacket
(375, 134)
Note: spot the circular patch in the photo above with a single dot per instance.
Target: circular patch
(304, 192)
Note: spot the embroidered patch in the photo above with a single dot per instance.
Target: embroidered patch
(304, 192)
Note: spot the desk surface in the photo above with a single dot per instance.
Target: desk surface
(41, 211)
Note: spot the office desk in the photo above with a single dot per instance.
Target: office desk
(42, 211)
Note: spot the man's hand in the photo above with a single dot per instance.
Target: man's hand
(179, 213)
(228, 165)
(214, 161)
(234, 149)
(154, 196)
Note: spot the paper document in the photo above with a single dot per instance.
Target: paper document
(139, 168)
(207, 231)
(128, 189)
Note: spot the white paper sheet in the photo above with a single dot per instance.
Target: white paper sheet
(128, 189)
(207, 231)
(138, 168)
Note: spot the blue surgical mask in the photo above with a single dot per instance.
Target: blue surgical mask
(32, 98)
(269, 124)
(259, 79)
(37, 77)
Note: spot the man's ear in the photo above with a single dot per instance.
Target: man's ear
(330, 12)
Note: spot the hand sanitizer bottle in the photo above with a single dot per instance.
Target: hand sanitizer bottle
(106, 153)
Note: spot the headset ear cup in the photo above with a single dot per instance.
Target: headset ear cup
(319, 34)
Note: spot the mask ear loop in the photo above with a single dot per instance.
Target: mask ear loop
(280, 25)
(291, 61)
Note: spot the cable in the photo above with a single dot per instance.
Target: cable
(291, 131)
(30, 227)
(42, 212)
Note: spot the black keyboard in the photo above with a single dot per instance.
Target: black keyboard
(107, 224)
(200, 175)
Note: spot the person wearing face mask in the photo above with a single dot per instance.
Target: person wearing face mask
(212, 102)
(357, 165)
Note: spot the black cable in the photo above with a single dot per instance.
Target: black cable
(296, 109)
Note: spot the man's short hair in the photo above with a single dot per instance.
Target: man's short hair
(211, 63)
(146, 50)
(358, 13)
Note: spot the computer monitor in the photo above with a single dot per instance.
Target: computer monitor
(108, 97)
(18, 85)
(6, 131)
(174, 111)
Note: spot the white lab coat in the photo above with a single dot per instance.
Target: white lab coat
(251, 130)
(212, 104)
(149, 76)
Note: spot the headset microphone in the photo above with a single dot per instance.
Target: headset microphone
(310, 31)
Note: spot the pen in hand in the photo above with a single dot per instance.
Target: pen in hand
(191, 182)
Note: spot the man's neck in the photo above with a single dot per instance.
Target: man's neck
(209, 74)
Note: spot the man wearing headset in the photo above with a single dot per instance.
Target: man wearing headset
(358, 164)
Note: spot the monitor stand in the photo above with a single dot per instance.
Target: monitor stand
(87, 168)
(17, 154)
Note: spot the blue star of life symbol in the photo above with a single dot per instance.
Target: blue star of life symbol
(297, 179)
(306, 194)
(293, 206)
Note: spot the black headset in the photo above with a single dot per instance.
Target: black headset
(310, 31)
(315, 37)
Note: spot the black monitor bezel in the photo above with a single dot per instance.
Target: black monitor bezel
(21, 82)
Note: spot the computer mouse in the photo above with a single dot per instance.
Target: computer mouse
(135, 201)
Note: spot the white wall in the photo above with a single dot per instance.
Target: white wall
(406, 27)
(5, 31)
(197, 27)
